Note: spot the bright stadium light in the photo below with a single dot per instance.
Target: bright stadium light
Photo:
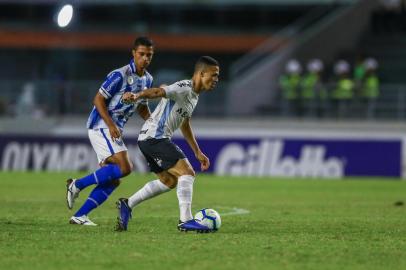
(65, 15)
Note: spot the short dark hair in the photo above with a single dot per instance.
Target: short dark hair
(204, 61)
(143, 41)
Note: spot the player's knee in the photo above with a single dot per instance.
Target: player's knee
(126, 168)
(126, 171)
(173, 183)
(187, 171)
(170, 182)
(190, 171)
(131, 166)
(116, 182)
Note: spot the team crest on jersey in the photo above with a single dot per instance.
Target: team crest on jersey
(130, 80)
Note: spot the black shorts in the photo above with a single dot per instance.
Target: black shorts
(161, 154)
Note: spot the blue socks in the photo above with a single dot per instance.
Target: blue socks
(98, 195)
(100, 177)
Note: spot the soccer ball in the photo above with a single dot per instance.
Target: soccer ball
(209, 217)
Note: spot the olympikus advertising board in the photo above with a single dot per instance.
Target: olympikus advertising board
(298, 157)
(46, 153)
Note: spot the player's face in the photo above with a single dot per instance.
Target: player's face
(142, 56)
(210, 77)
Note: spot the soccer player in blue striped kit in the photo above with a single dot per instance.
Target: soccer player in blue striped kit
(105, 127)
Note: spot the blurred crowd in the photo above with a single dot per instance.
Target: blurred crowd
(348, 90)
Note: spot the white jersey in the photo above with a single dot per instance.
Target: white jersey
(179, 104)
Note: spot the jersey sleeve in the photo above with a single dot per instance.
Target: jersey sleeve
(111, 85)
(175, 90)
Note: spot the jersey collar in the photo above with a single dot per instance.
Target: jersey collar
(133, 67)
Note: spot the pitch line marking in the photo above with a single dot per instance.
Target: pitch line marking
(232, 211)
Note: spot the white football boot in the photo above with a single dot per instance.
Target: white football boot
(83, 220)
(72, 192)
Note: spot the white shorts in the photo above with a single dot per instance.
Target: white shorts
(103, 145)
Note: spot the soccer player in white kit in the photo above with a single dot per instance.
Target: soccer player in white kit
(164, 157)
(105, 128)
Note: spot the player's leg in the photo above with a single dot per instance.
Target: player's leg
(100, 193)
(152, 151)
(169, 162)
(96, 197)
(160, 154)
(186, 176)
(117, 165)
(111, 153)
(164, 155)
(168, 157)
(164, 183)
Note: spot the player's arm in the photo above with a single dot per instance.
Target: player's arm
(99, 102)
(108, 89)
(190, 138)
(143, 111)
(149, 93)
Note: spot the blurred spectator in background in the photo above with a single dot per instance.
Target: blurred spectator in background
(26, 104)
(312, 90)
(343, 91)
(359, 72)
(370, 87)
(290, 87)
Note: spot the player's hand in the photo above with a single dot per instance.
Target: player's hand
(129, 97)
(115, 133)
(204, 161)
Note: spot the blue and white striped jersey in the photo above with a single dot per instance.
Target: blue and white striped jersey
(179, 104)
(118, 82)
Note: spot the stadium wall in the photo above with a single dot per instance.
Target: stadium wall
(241, 152)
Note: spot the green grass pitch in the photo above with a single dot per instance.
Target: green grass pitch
(291, 224)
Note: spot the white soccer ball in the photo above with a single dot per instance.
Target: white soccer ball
(209, 217)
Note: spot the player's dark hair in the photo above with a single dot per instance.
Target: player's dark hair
(143, 41)
(204, 61)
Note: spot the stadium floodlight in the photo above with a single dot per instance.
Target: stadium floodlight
(65, 16)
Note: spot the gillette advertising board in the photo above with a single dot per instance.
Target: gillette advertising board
(266, 156)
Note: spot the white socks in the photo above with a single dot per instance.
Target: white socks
(150, 190)
(185, 192)
(153, 188)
